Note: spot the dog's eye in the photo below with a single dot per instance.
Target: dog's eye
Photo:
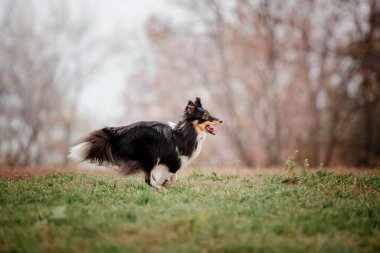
(204, 116)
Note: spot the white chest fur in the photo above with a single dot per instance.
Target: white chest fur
(186, 160)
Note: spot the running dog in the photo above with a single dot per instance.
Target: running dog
(155, 148)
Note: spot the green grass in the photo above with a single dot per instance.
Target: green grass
(69, 212)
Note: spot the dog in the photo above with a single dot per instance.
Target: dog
(157, 149)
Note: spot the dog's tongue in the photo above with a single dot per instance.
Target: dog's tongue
(211, 130)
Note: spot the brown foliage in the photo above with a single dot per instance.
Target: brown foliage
(277, 71)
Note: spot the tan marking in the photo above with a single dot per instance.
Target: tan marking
(202, 127)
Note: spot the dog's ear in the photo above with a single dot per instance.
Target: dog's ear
(198, 102)
(190, 108)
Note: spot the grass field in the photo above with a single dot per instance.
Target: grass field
(202, 212)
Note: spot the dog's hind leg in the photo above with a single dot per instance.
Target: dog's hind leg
(147, 178)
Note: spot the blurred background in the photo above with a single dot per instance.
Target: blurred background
(283, 76)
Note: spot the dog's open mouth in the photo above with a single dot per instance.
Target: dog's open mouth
(210, 129)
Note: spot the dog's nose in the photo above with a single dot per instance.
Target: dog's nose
(221, 121)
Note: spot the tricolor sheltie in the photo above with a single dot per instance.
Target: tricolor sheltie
(157, 149)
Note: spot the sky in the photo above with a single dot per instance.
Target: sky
(123, 18)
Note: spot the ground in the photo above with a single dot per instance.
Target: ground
(271, 211)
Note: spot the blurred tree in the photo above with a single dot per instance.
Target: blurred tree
(47, 53)
(275, 69)
(365, 51)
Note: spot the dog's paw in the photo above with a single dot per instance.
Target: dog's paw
(167, 183)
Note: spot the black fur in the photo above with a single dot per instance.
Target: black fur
(100, 150)
(142, 145)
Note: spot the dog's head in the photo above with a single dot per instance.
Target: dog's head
(201, 118)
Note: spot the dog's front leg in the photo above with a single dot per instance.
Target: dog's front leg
(154, 182)
(160, 175)
(151, 181)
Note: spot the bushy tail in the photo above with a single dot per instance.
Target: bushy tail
(95, 148)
